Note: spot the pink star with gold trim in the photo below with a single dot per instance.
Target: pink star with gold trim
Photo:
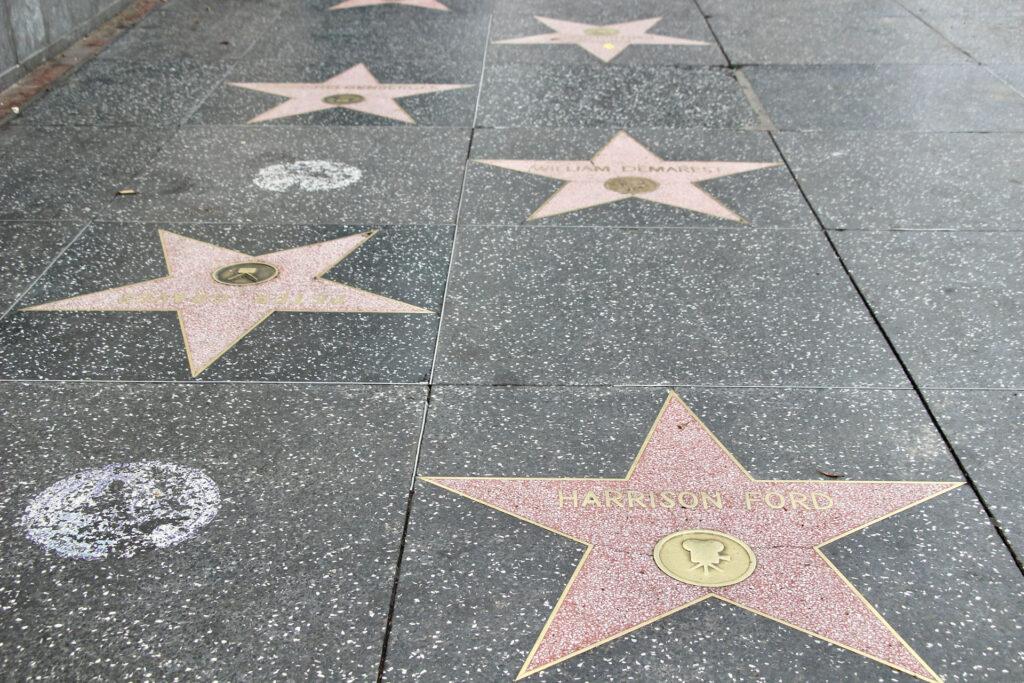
(355, 88)
(604, 42)
(221, 295)
(685, 484)
(623, 169)
(426, 4)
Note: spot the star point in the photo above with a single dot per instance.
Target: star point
(606, 42)
(220, 295)
(355, 88)
(625, 169)
(720, 533)
(425, 4)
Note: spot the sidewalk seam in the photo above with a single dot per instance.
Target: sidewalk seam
(44, 271)
(437, 344)
(906, 371)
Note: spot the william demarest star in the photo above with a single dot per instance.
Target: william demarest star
(625, 169)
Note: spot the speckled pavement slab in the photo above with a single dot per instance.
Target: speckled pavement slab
(291, 577)
(886, 180)
(208, 173)
(1011, 73)
(70, 172)
(990, 40)
(948, 98)
(476, 340)
(747, 308)
(950, 301)
(198, 30)
(594, 95)
(28, 248)
(128, 92)
(828, 33)
(881, 8)
(451, 42)
(983, 426)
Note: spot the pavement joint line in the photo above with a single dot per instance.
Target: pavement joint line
(707, 22)
(937, 32)
(394, 588)
(458, 210)
(271, 23)
(404, 535)
(451, 261)
(483, 70)
(401, 545)
(977, 61)
(483, 385)
(419, 441)
(906, 370)
(185, 117)
(199, 383)
(1012, 389)
(765, 122)
(999, 77)
(43, 273)
(650, 228)
(754, 101)
(38, 81)
(433, 364)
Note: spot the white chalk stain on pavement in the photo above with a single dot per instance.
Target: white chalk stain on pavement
(122, 510)
(311, 176)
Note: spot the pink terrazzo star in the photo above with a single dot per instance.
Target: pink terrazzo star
(215, 316)
(604, 42)
(426, 4)
(623, 169)
(684, 479)
(355, 89)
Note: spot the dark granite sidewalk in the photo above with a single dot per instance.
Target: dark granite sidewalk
(811, 233)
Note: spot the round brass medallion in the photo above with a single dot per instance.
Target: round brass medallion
(704, 558)
(631, 185)
(344, 98)
(248, 273)
(602, 31)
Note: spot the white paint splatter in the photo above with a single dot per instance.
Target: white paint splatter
(122, 510)
(311, 176)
